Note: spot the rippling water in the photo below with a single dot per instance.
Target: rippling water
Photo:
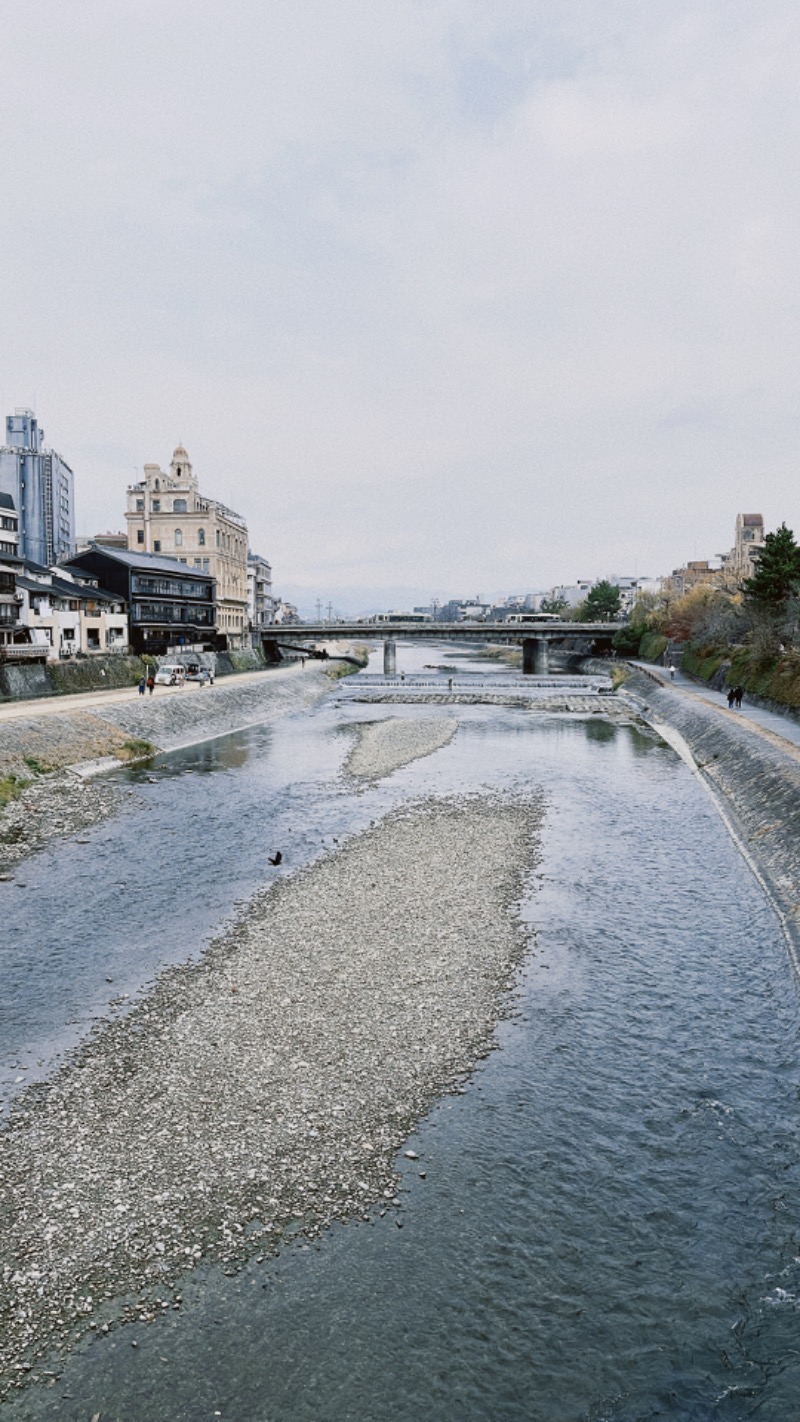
(605, 1224)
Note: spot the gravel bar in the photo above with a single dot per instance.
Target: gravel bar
(384, 746)
(263, 1092)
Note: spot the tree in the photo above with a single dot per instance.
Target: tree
(559, 605)
(602, 603)
(777, 572)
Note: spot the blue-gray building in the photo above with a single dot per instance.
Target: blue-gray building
(41, 485)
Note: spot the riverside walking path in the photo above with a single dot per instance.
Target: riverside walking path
(759, 720)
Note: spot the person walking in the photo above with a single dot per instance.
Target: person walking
(151, 681)
(737, 697)
(731, 698)
(142, 684)
(671, 672)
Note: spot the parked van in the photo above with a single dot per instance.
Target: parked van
(171, 674)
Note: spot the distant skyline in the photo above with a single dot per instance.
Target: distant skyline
(439, 296)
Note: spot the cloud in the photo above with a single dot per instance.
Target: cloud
(438, 293)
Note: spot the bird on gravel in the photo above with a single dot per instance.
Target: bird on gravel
(277, 857)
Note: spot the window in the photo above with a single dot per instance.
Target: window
(157, 545)
(139, 505)
(140, 535)
(219, 540)
(179, 506)
(178, 537)
(156, 506)
(201, 538)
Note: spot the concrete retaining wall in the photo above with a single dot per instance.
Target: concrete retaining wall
(754, 777)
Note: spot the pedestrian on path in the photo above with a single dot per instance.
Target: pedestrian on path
(731, 698)
(737, 697)
(151, 681)
(671, 672)
(142, 684)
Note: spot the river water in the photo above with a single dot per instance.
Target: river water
(604, 1224)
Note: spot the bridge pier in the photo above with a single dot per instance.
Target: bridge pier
(389, 657)
(534, 656)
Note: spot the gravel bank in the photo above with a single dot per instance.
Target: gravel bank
(53, 806)
(265, 1090)
(384, 746)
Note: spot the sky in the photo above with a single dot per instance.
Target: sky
(446, 298)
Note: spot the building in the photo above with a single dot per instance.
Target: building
(105, 540)
(10, 598)
(41, 485)
(573, 594)
(695, 574)
(738, 564)
(168, 515)
(169, 606)
(260, 602)
(67, 617)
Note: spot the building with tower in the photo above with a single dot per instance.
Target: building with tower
(168, 516)
(41, 485)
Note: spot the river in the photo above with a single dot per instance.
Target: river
(604, 1223)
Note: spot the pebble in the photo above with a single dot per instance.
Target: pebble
(187, 1130)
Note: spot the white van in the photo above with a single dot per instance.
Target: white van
(170, 674)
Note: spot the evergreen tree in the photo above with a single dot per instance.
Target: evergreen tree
(602, 602)
(777, 572)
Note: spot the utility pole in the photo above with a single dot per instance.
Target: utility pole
(319, 610)
(330, 611)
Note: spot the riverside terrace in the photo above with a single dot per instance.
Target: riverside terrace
(535, 638)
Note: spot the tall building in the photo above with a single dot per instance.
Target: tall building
(739, 564)
(9, 567)
(168, 515)
(261, 601)
(41, 484)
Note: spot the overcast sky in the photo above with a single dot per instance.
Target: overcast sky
(445, 297)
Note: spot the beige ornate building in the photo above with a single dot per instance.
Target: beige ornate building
(739, 563)
(167, 514)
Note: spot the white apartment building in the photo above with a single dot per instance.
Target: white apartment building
(66, 617)
(169, 516)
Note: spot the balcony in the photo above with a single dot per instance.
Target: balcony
(23, 653)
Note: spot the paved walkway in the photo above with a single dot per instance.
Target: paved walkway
(770, 725)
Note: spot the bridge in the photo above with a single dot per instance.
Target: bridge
(535, 638)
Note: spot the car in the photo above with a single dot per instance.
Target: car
(170, 674)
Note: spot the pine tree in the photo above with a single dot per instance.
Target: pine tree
(602, 602)
(777, 572)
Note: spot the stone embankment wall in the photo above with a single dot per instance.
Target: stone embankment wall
(167, 719)
(98, 673)
(199, 713)
(753, 774)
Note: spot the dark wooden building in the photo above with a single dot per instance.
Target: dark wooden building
(169, 603)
